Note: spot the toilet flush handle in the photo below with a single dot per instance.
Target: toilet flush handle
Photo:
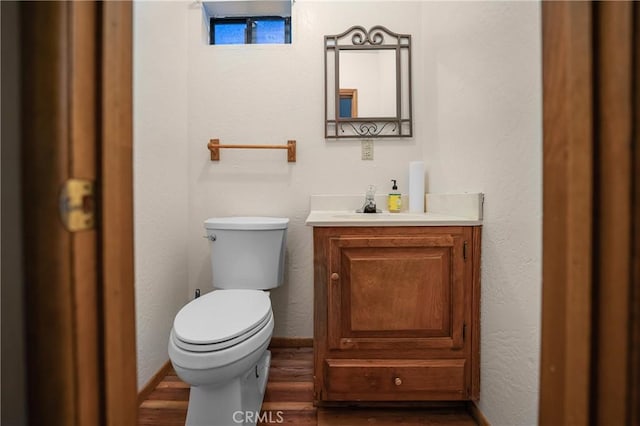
(211, 237)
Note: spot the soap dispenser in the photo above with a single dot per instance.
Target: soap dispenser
(395, 198)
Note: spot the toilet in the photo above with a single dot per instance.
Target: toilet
(218, 343)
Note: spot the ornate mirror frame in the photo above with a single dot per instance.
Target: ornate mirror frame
(357, 38)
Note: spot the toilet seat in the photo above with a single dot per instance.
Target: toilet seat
(211, 347)
(221, 319)
(193, 360)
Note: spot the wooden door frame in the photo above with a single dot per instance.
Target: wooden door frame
(635, 290)
(117, 214)
(589, 362)
(567, 207)
(77, 123)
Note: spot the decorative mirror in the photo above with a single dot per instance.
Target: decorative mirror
(367, 84)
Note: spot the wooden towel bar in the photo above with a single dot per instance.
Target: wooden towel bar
(215, 146)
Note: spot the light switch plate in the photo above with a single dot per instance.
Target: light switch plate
(367, 150)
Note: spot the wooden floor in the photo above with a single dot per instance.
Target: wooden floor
(289, 400)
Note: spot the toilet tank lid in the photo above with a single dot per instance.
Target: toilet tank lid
(246, 223)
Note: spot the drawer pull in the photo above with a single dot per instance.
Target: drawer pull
(398, 381)
(335, 277)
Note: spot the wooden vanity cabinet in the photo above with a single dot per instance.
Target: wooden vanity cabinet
(396, 313)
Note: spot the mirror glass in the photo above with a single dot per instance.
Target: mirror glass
(368, 84)
(372, 74)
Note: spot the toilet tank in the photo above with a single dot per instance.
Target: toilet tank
(247, 252)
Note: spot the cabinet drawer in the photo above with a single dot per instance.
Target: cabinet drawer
(395, 380)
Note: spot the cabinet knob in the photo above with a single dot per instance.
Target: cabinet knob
(335, 276)
(398, 381)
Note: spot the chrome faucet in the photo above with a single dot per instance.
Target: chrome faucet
(369, 205)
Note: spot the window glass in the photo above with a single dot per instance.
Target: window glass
(229, 32)
(251, 30)
(345, 107)
(268, 31)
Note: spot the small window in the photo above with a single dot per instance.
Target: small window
(251, 30)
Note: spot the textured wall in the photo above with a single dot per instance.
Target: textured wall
(483, 132)
(477, 106)
(160, 176)
(269, 94)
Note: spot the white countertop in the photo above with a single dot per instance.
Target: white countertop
(442, 210)
(350, 218)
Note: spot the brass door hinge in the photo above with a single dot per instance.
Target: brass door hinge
(77, 204)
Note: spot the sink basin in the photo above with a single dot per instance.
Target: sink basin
(379, 216)
(350, 218)
(444, 210)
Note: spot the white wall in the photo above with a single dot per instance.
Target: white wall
(268, 94)
(477, 106)
(483, 132)
(160, 176)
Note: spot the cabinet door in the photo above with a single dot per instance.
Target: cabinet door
(396, 293)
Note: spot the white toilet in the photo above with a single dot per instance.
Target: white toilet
(219, 341)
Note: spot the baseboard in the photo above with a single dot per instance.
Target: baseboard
(153, 382)
(477, 415)
(291, 342)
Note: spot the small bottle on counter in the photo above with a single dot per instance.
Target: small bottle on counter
(395, 198)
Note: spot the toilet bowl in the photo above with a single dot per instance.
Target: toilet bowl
(227, 366)
(218, 343)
